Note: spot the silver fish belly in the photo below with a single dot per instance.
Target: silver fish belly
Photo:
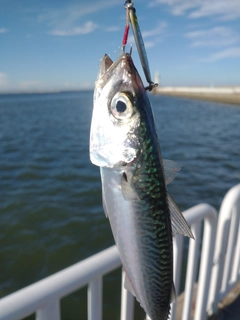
(143, 217)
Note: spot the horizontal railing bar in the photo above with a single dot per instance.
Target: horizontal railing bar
(27, 300)
(200, 212)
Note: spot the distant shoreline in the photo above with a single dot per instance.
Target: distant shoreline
(218, 94)
(44, 92)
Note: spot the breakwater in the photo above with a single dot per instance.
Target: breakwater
(217, 94)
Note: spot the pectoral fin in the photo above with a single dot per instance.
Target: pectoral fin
(126, 185)
(171, 169)
(104, 205)
(179, 224)
(128, 285)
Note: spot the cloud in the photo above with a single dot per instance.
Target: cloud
(150, 44)
(225, 10)
(231, 53)
(155, 35)
(217, 36)
(112, 29)
(160, 28)
(88, 27)
(71, 13)
(65, 20)
(177, 7)
(3, 30)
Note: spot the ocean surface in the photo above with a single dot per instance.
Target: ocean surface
(51, 213)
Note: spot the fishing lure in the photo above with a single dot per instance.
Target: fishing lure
(131, 15)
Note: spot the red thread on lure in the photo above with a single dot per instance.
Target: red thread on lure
(125, 36)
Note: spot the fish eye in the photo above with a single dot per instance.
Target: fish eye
(121, 106)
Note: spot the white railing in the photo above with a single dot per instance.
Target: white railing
(195, 216)
(226, 262)
(43, 297)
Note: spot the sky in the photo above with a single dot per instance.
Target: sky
(57, 45)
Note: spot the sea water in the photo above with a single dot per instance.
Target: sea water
(51, 213)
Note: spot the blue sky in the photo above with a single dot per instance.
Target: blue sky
(57, 45)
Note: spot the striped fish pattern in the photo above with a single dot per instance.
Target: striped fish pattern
(143, 217)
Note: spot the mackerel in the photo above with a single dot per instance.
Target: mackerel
(143, 216)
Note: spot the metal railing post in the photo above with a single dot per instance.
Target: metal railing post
(193, 255)
(95, 299)
(230, 202)
(233, 234)
(208, 245)
(209, 215)
(177, 268)
(127, 302)
(51, 310)
(236, 261)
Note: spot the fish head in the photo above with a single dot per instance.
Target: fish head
(119, 93)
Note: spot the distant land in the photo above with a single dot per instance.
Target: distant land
(44, 92)
(225, 94)
(217, 94)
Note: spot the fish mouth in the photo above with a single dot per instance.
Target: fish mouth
(128, 63)
(124, 62)
(122, 71)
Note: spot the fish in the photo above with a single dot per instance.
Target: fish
(143, 216)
